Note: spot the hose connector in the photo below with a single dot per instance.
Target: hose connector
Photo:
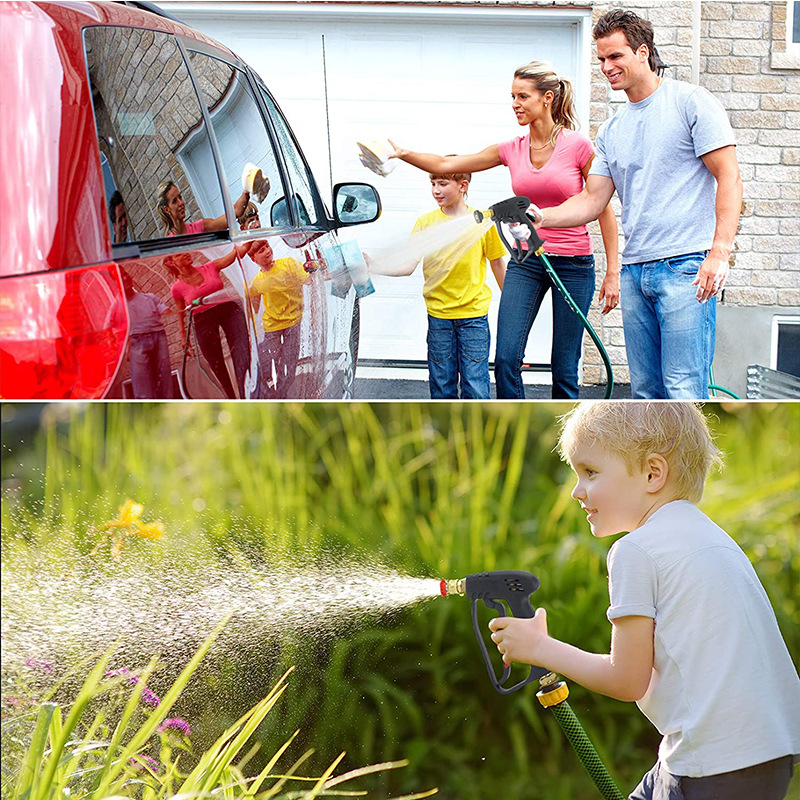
(553, 691)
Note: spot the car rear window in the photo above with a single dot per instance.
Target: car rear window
(153, 139)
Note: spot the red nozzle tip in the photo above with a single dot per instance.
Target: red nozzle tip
(443, 587)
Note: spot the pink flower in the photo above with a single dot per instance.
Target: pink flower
(142, 761)
(35, 663)
(177, 724)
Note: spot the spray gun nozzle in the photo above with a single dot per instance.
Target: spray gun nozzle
(452, 587)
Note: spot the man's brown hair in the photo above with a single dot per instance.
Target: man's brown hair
(637, 32)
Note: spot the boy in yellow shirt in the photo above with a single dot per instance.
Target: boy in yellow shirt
(280, 284)
(457, 298)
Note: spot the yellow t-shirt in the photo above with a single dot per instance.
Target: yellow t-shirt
(455, 279)
(282, 290)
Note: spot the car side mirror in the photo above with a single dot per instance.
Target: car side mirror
(355, 204)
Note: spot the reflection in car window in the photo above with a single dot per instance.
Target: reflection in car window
(150, 129)
(248, 159)
(302, 182)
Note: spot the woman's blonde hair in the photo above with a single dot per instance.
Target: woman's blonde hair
(161, 202)
(545, 79)
(635, 429)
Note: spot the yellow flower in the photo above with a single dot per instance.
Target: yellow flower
(129, 513)
(150, 530)
(127, 524)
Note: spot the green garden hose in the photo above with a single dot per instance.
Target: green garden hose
(514, 211)
(586, 324)
(553, 695)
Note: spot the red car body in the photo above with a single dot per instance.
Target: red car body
(59, 273)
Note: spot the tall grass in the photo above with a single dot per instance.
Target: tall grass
(434, 490)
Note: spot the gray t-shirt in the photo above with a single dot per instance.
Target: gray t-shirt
(651, 150)
(724, 692)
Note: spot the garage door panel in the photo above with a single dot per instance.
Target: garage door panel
(433, 82)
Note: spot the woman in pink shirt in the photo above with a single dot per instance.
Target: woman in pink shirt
(172, 211)
(548, 164)
(216, 312)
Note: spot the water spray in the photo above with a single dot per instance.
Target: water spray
(514, 588)
(514, 211)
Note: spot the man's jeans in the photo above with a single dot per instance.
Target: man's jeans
(669, 336)
(151, 373)
(458, 348)
(524, 288)
(767, 781)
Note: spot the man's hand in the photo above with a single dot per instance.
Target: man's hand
(711, 277)
(520, 639)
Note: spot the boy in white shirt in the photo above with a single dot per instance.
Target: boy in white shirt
(694, 639)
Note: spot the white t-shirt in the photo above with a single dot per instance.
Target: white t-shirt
(724, 692)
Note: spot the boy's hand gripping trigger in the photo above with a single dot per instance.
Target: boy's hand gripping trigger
(515, 588)
(514, 212)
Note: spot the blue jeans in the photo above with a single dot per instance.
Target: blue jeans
(151, 372)
(277, 356)
(767, 781)
(524, 289)
(458, 349)
(669, 336)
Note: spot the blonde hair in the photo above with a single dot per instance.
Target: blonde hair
(545, 79)
(635, 429)
(161, 201)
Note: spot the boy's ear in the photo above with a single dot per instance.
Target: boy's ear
(656, 469)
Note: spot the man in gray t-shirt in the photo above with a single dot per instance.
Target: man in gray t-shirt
(670, 155)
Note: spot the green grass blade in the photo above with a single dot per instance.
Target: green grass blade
(27, 783)
(141, 736)
(46, 787)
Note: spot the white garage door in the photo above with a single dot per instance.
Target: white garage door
(432, 79)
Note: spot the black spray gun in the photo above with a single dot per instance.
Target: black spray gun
(514, 588)
(514, 212)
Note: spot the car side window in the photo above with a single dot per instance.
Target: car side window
(158, 170)
(245, 149)
(309, 206)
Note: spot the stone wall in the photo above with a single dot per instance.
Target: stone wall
(742, 60)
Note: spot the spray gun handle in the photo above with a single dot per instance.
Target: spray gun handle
(515, 209)
(515, 588)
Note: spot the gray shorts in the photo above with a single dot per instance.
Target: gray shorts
(767, 781)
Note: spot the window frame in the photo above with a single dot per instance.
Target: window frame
(792, 19)
(326, 220)
(164, 244)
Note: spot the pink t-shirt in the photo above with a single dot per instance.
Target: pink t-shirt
(211, 283)
(192, 227)
(559, 179)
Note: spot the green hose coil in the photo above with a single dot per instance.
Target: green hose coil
(586, 324)
(585, 750)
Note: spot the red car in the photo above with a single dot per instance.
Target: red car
(162, 235)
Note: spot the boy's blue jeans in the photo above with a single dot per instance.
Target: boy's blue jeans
(767, 781)
(669, 336)
(458, 349)
(524, 289)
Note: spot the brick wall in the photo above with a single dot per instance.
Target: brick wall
(742, 60)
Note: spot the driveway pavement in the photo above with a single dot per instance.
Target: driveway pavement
(406, 389)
